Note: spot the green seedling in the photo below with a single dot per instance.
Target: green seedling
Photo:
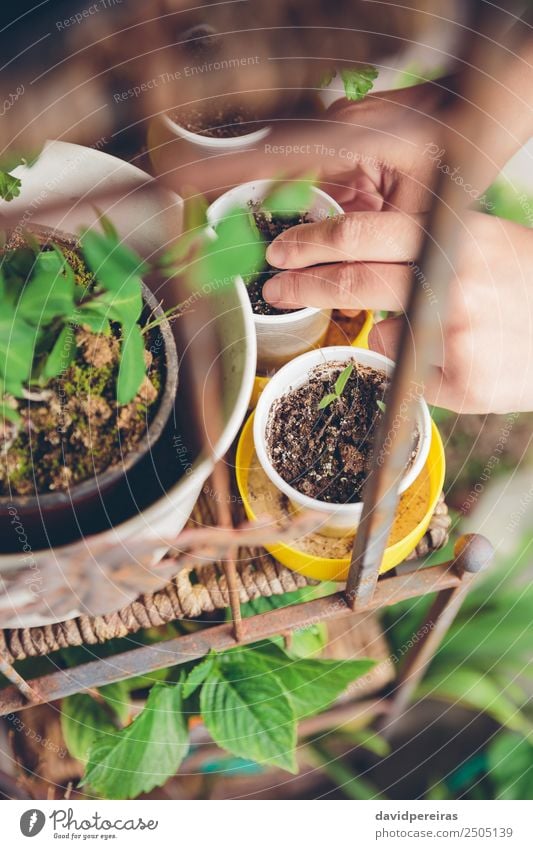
(338, 389)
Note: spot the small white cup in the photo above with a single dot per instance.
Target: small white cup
(280, 337)
(210, 144)
(337, 519)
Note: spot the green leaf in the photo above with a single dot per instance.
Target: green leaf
(114, 265)
(117, 697)
(84, 720)
(247, 712)
(238, 250)
(143, 755)
(17, 344)
(49, 292)
(307, 642)
(9, 186)
(94, 320)
(381, 405)
(21, 261)
(125, 306)
(311, 684)
(290, 198)
(343, 379)
(510, 759)
(132, 367)
(61, 355)
(198, 675)
(358, 82)
(327, 400)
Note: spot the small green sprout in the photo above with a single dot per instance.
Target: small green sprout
(357, 82)
(338, 389)
(381, 405)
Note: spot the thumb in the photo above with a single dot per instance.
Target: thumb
(385, 335)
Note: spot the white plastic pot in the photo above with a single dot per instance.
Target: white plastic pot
(211, 145)
(103, 572)
(334, 519)
(280, 338)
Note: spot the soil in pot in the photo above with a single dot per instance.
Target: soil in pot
(270, 226)
(72, 429)
(223, 121)
(325, 453)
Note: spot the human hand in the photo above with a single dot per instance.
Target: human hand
(365, 261)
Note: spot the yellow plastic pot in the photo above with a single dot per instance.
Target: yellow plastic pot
(430, 482)
(360, 341)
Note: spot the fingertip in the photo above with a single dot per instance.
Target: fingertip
(272, 291)
(276, 253)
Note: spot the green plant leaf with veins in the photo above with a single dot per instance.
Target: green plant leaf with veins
(144, 754)
(84, 720)
(247, 712)
(9, 186)
(312, 684)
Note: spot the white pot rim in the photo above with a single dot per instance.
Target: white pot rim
(293, 375)
(233, 196)
(218, 143)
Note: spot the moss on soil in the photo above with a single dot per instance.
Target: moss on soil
(74, 428)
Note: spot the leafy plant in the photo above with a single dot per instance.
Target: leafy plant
(250, 699)
(338, 389)
(42, 303)
(357, 82)
(484, 661)
(9, 184)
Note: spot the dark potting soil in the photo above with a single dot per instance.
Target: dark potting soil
(73, 428)
(222, 122)
(326, 454)
(269, 226)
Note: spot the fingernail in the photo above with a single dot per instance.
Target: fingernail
(272, 290)
(276, 254)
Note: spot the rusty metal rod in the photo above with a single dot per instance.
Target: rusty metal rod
(183, 649)
(418, 345)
